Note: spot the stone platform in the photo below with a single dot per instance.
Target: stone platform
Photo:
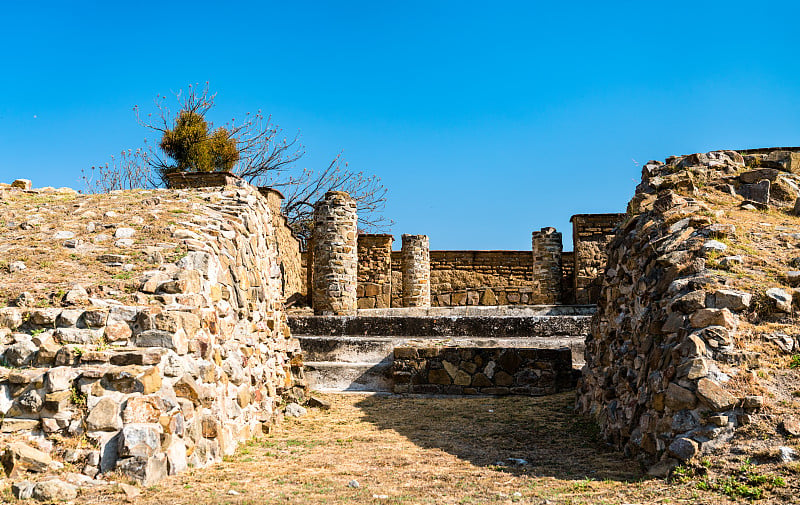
(356, 353)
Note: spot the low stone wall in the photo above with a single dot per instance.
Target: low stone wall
(171, 347)
(474, 278)
(374, 290)
(591, 234)
(668, 372)
(474, 370)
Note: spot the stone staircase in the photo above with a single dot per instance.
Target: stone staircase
(355, 353)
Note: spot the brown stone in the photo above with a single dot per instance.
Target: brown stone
(186, 387)
(792, 426)
(713, 317)
(678, 398)
(439, 376)
(19, 457)
(501, 378)
(462, 378)
(142, 409)
(714, 396)
(479, 380)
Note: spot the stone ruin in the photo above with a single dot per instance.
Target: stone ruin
(195, 358)
(199, 355)
(672, 356)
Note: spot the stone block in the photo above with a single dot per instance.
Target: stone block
(19, 457)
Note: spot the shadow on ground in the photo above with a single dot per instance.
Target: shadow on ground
(536, 436)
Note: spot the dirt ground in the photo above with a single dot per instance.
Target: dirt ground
(414, 450)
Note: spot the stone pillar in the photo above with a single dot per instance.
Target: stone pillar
(374, 271)
(335, 255)
(547, 249)
(416, 266)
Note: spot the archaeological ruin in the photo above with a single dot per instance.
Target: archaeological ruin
(167, 326)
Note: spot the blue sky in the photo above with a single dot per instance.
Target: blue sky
(486, 121)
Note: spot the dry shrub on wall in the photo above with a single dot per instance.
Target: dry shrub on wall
(131, 170)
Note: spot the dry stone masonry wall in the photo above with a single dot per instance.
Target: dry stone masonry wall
(591, 233)
(480, 370)
(294, 285)
(174, 370)
(374, 288)
(666, 376)
(335, 255)
(416, 271)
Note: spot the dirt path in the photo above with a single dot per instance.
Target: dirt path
(413, 450)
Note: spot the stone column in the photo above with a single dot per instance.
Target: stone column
(547, 249)
(335, 255)
(374, 271)
(416, 266)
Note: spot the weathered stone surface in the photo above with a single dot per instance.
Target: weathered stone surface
(713, 317)
(140, 439)
(23, 490)
(144, 470)
(791, 425)
(168, 340)
(684, 448)
(105, 416)
(142, 409)
(757, 192)
(780, 299)
(294, 410)
(732, 300)
(19, 457)
(714, 396)
(54, 490)
(678, 398)
(186, 387)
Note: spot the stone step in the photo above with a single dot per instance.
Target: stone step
(483, 310)
(352, 349)
(347, 349)
(442, 326)
(338, 376)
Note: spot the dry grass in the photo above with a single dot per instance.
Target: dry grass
(29, 221)
(424, 450)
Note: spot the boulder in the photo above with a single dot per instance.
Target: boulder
(713, 317)
(54, 490)
(146, 470)
(780, 299)
(758, 192)
(712, 394)
(105, 416)
(19, 457)
(679, 398)
(140, 439)
(684, 448)
(732, 300)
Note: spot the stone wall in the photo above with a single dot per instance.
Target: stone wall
(476, 370)
(170, 345)
(664, 376)
(591, 233)
(294, 282)
(474, 278)
(374, 288)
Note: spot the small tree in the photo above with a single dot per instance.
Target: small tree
(193, 149)
(256, 150)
